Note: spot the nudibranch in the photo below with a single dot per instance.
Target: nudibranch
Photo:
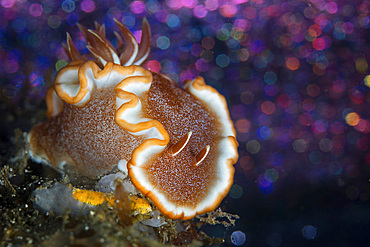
(104, 109)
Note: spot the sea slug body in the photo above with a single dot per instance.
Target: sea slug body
(178, 143)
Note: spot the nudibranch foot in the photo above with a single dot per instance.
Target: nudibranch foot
(178, 142)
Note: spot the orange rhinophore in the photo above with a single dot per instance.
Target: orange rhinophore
(104, 108)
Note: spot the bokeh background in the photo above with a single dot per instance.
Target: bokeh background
(295, 75)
